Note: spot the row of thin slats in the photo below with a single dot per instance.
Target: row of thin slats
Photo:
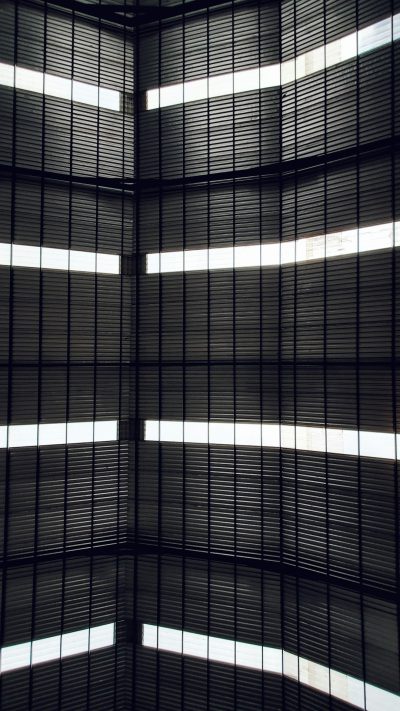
(64, 355)
(309, 540)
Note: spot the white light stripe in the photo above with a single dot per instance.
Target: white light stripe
(274, 660)
(356, 43)
(356, 241)
(58, 433)
(381, 445)
(50, 649)
(59, 87)
(21, 255)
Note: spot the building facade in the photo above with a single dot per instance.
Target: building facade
(199, 347)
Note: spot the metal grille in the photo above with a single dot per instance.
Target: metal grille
(293, 550)
(287, 548)
(66, 170)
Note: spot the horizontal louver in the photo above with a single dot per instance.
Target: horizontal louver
(285, 548)
(66, 244)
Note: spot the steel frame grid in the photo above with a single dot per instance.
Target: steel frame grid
(37, 557)
(257, 175)
(298, 165)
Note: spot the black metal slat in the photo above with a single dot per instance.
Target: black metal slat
(305, 174)
(63, 503)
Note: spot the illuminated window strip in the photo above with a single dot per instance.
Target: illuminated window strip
(40, 435)
(61, 646)
(276, 661)
(365, 239)
(59, 87)
(21, 255)
(356, 43)
(381, 445)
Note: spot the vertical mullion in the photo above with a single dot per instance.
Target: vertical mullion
(394, 336)
(4, 591)
(121, 384)
(358, 380)
(39, 367)
(234, 372)
(184, 277)
(136, 488)
(235, 486)
(280, 389)
(209, 393)
(95, 347)
(325, 363)
(260, 364)
(296, 463)
(160, 357)
(68, 363)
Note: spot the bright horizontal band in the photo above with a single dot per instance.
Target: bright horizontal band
(48, 649)
(59, 87)
(336, 244)
(21, 255)
(382, 445)
(40, 435)
(274, 660)
(352, 45)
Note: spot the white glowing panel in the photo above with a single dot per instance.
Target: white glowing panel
(335, 244)
(381, 445)
(40, 435)
(50, 649)
(20, 255)
(374, 36)
(7, 74)
(365, 40)
(274, 660)
(59, 87)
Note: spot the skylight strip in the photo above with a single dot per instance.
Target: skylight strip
(335, 244)
(21, 255)
(48, 649)
(41, 435)
(59, 87)
(357, 43)
(274, 660)
(381, 445)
